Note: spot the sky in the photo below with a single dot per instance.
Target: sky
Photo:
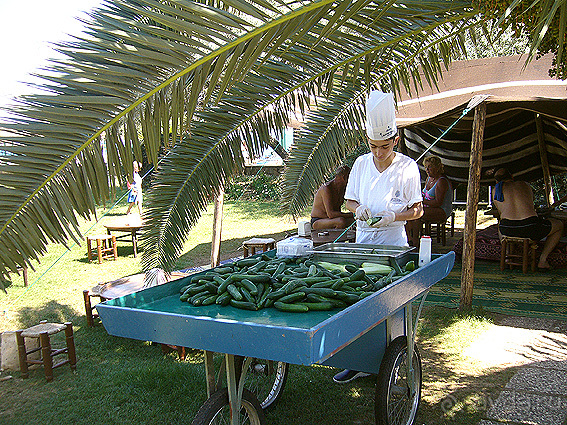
(27, 27)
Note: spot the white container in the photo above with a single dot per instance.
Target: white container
(294, 247)
(424, 250)
(304, 228)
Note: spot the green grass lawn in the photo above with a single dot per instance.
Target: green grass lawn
(122, 381)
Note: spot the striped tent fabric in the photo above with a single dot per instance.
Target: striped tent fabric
(524, 106)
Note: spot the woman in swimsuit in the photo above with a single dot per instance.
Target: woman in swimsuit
(437, 199)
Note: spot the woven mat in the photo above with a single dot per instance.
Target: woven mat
(538, 294)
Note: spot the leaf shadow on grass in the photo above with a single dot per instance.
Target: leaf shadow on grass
(52, 311)
(451, 393)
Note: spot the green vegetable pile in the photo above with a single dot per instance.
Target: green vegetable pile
(293, 285)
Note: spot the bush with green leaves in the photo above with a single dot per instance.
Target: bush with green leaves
(260, 187)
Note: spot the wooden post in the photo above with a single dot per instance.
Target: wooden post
(217, 228)
(473, 189)
(544, 161)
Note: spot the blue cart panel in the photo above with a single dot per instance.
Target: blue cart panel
(354, 337)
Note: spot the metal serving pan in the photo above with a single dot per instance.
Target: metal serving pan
(359, 253)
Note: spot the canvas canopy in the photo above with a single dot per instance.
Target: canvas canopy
(520, 123)
(526, 118)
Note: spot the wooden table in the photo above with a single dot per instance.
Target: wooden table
(125, 227)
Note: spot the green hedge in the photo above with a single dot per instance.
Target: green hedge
(260, 187)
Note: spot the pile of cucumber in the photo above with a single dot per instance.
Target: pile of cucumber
(287, 284)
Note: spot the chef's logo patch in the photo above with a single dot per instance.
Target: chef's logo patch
(397, 194)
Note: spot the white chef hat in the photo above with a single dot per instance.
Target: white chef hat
(380, 116)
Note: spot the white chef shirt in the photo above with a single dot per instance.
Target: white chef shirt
(395, 189)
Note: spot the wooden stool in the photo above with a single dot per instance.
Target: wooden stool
(515, 252)
(441, 230)
(89, 307)
(251, 245)
(105, 247)
(43, 331)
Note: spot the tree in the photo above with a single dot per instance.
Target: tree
(543, 22)
(184, 83)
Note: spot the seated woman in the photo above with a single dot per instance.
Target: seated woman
(437, 199)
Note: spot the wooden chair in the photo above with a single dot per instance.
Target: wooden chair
(250, 246)
(105, 247)
(441, 228)
(43, 332)
(518, 252)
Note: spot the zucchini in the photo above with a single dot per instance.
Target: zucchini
(375, 268)
(291, 308)
(373, 220)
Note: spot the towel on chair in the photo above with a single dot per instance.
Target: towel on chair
(498, 194)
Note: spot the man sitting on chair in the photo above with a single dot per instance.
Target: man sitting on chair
(326, 212)
(518, 218)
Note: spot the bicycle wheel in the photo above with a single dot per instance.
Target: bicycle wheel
(394, 403)
(216, 410)
(265, 378)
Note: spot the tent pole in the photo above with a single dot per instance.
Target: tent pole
(217, 228)
(544, 162)
(473, 189)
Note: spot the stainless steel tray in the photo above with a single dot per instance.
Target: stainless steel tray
(359, 253)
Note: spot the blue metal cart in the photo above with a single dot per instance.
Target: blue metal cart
(375, 335)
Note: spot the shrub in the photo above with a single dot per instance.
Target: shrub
(260, 187)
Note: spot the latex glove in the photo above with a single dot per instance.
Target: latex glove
(388, 217)
(363, 213)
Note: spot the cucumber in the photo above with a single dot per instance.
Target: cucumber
(314, 298)
(234, 292)
(246, 262)
(257, 267)
(351, 268)
(318, 306)
(209, 300)
(211, 287)
(223, 299)
(223, 270)
(184, 288)
(325, 292)
(249, 285)
(264, 297)
(245, 305)
(296, 296)
(358, 275)
(276, 294)
(255, 278)
(291, 308)
(247, 295)
(312, 270)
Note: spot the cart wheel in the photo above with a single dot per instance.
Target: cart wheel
(394, 403)
(265, 378)
(216, 410)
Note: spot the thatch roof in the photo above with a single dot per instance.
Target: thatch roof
(518, 97)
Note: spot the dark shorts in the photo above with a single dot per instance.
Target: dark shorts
(314, 219)
(535, 228)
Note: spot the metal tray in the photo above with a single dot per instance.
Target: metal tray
(359, 253)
